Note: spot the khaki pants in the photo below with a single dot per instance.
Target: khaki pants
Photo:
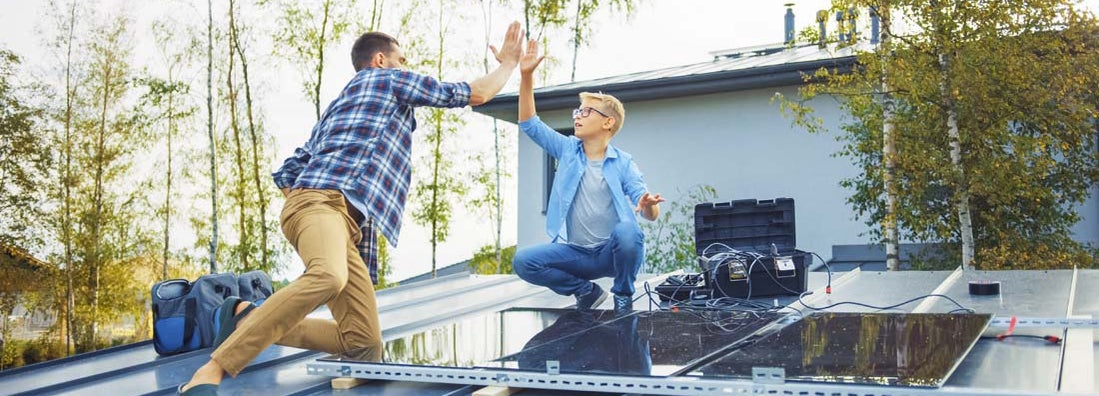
(318, 224)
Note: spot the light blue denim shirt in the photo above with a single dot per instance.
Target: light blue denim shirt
(619, 170)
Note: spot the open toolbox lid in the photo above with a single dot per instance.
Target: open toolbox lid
(746, 224)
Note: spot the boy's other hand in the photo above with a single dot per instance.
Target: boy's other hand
(530, 59)
(648, 200)
(509, 52)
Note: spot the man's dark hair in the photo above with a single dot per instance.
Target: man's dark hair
(369, 44)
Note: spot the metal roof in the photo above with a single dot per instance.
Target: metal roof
(1012, 365)
(729, 71)
(13, 255)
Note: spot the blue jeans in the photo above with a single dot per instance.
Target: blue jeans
(568, 269)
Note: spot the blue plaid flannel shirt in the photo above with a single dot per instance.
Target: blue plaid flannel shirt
(362, 146)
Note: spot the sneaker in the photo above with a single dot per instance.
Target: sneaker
(623, 304)
(591, 300)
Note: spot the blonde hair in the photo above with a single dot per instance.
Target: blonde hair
(610, 105)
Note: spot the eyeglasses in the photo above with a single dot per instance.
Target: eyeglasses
(584, 112)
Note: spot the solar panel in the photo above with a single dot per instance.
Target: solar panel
(468, 341)
(919, 350)
(656, 343)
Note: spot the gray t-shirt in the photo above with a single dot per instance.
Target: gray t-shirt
(592, 216)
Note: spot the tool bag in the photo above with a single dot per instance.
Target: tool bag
(184, 312)
(254, 286)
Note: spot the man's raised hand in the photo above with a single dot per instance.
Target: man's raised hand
(512, 48)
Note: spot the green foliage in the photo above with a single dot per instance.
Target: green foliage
(1022, 77)
(576, 17)
(670, 240)
(256, 245)
(485, 195)
(484, 261)
(306, 30)
(19, 353)
(542, 14)
(441, 187)
(384, 267)
(167, 102)
(24, 159)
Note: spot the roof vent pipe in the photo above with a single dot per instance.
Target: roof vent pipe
(874, 27)
(822, 18)
(789, 30)
(852, 26)
(840, 29)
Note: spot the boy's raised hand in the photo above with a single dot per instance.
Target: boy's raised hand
(530, 59)
(512, 48)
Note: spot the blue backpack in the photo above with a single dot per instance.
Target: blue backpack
(184, 312)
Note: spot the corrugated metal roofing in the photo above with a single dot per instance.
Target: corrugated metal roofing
(137, 370)
(1013, 365)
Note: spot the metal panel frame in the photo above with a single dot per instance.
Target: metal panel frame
(622, 384)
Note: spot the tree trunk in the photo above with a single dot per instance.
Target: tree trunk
(210, 132)
(962, 192)
(437, 154)
(320, 59)
(376, 15)
(97, 197)
(436, 157)
(575, 41)
(255, 148)
(168, 178)
(239, 159)
(66, 222)
(499, 198)
(435, 195)
(889, 223)
(487, 11)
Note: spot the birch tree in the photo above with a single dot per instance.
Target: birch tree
(992, 125)
(307, 31)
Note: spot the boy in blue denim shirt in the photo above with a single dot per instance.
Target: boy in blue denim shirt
(588, 207)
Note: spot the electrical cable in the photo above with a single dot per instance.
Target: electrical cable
(727, 303)
(1051, 339)
(960, 307)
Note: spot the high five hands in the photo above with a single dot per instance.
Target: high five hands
(511, 51)
(530, 59)
(512, 48)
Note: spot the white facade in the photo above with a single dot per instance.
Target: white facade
(738, 142)
(741, 144)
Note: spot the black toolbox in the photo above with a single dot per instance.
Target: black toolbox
(747, 248)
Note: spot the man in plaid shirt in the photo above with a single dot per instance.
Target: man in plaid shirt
(351, 176)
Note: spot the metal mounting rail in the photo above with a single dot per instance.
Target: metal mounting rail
(625, 384)
(1072, 323)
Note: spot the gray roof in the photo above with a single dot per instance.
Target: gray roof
(456, 268)
(729, 71)
(404, 310)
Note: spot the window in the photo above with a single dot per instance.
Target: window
(549, 167)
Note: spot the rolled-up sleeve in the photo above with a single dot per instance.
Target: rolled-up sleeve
(291, 168)
(416, 89)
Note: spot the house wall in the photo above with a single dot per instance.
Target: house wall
(741, 144)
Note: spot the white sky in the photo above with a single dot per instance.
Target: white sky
(662, 33)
